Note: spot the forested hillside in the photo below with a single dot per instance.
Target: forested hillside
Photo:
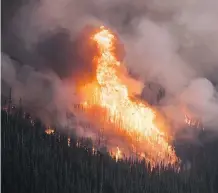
(35, 162)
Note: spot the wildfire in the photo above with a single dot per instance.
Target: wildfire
(49, 131)
(133, 118)
(191, 120)
(68, 142)
(117, 154)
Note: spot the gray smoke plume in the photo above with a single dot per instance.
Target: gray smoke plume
(177, 46)
(173, 43)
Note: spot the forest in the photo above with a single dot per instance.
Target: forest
(172, 43)
(34, 161)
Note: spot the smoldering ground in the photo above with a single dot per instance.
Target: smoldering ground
(171, 43)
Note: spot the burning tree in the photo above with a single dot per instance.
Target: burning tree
(134, 120)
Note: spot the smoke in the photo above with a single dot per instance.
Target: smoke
(176, 46)
(42, 93)
(172, 43)
(45, 54)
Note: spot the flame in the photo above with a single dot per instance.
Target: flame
(93, 151)
(68, 141)
(49, 131)
(118, 154)
(191, 119)
(132, 118)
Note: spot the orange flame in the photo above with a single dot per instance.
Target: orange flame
(117, 154)
(191, 119)
(49, 131)
(133, 118)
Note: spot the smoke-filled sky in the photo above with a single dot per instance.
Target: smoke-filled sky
(173, 43)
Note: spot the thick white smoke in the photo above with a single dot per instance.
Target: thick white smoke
(176, 45)
(173, 43)
(42, 94)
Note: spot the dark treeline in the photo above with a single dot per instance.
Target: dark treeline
(34, 162)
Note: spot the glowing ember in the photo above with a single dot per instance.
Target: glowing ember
(49, 131)
(68, 142)
(118, 154)
(93, 151)
(191, 119)
(133, 119)
(193, 122)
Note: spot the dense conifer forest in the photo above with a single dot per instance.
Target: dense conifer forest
(35, 162)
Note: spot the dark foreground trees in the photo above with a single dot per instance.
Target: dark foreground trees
(34, 162)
